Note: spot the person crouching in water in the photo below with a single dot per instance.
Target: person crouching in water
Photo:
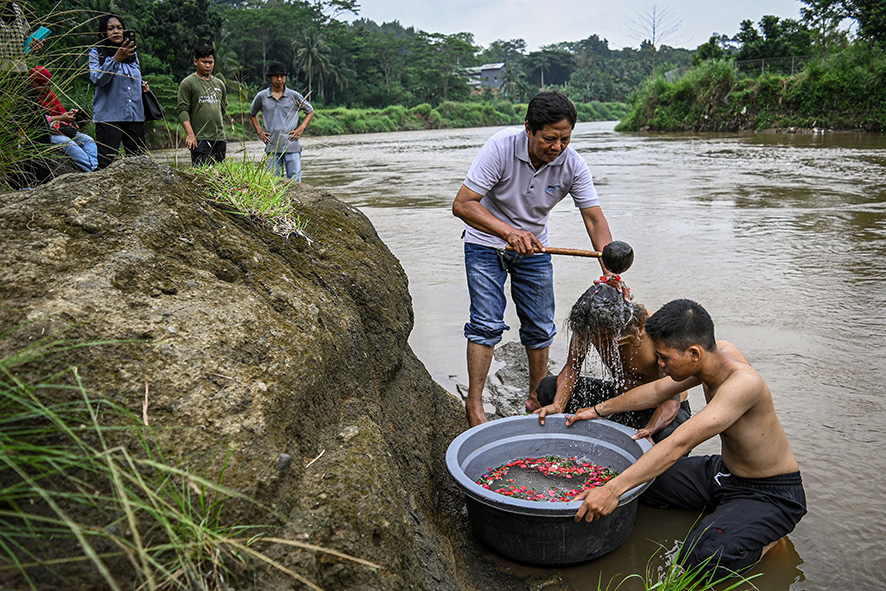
(616, 329)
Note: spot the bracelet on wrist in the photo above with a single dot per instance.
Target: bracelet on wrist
(597, 411)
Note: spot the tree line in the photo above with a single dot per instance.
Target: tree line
(358, 63)
(344, 60)
(839, 86)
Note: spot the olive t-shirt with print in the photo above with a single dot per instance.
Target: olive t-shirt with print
(203, 103)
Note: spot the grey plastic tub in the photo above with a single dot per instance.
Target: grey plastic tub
(543, 533)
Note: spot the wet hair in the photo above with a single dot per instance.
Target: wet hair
(603, 309)
(202, 51)
(549, 107)
(602, 312)
(680, 324)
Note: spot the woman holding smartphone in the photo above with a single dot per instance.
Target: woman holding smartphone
(117, 108)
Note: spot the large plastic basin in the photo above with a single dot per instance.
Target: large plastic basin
(534, 532)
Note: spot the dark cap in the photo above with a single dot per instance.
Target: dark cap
(276, 69)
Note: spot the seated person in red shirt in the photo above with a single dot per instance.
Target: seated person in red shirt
(64, 125)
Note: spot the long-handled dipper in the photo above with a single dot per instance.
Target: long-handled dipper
(617, 256)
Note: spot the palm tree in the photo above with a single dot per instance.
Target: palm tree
(512, 81)
(339, 75)
(540, 61)
(311, 56)
(225, 56)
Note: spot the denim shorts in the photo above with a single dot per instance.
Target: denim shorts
(532, 290)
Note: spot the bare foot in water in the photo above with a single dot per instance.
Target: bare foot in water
(778, 545)
(532, 403)
(475, 413)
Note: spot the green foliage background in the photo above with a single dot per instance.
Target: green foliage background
(362, 76)
(846, 91)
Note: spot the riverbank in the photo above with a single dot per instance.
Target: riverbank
(342, 121)
(843, 92)
(273, 372)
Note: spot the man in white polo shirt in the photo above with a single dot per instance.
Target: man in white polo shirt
(514, 182)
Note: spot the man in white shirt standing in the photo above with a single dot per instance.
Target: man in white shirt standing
(514, 182)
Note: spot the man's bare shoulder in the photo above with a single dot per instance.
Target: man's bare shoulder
(739, 378)
(731, 351)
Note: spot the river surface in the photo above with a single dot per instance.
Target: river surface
(781, 237)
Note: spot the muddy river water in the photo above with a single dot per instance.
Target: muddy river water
(782, 237)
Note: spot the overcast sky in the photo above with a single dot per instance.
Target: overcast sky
(542, 22)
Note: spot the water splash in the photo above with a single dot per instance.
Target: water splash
(601, 319)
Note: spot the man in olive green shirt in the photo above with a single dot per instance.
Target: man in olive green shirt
(202, 104)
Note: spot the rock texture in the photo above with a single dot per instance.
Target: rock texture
(292, 353)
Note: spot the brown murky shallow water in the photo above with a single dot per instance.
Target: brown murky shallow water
(781, 237)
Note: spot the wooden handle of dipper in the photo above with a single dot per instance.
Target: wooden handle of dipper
(567, 251)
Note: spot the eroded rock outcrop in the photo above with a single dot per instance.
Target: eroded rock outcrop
(291, 353)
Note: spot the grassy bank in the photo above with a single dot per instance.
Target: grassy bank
(340, 120)
(846, 91)
(90, 498)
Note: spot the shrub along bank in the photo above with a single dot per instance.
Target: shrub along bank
(846, 91)
(340, 120)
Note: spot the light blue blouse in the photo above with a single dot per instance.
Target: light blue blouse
(118, 89)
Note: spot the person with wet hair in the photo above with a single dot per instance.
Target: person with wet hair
(601, 318)
(515, 181)
(751, 494)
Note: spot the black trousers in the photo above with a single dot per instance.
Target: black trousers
(744, 514)
(109, 136)
(208, 152)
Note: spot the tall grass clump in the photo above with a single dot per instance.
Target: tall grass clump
(252, 189)
(25, 151)
(86, 495)
(673, 575)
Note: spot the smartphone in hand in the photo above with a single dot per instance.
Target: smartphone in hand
(38, 35)
(129, 35)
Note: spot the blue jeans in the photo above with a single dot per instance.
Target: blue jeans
(291, 161)
(532, 289)
(82, 149)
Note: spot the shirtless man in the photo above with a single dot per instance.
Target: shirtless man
(602, 318)
(752, 492)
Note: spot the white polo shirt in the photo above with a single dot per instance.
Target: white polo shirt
(514, 192)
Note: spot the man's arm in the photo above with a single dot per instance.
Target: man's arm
(190, 138)
(184, 113)
(598, 230)
(642, 397)
(663, 416)
(730, 403)
(262, 134)
(467, 207)
(296, 133)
